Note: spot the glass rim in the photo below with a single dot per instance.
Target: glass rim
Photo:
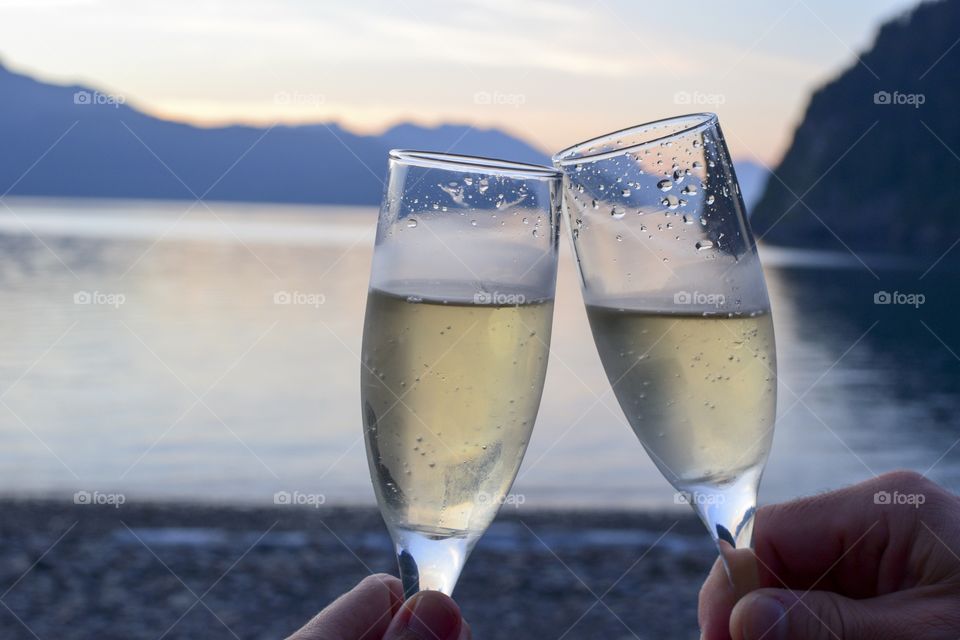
(479, 164)
(573, 154)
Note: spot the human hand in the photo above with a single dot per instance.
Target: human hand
(375, 610)
(879, 560)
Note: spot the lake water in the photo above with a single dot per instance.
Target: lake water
(142, 351)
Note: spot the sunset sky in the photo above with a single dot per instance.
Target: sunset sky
(552, 72)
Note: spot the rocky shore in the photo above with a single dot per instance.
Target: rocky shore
(161, 570)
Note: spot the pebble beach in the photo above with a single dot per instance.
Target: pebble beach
(164, 570)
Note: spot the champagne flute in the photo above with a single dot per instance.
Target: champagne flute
(455, 344)
(679, 311)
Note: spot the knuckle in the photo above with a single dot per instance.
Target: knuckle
(904, 479)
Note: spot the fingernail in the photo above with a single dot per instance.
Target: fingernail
(433, 616)
(766, 618)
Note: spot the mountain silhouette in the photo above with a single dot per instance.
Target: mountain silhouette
(96, 146)
(74, 141)
(875, 159)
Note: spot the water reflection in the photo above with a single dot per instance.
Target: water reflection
(201, 385)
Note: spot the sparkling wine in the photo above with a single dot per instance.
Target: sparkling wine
(700, 393)
(450, 387)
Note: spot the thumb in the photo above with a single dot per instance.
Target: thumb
(428, 615)
(779, 614)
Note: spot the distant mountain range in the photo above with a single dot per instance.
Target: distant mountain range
(113, 150)
(109, 149)
(875, 159)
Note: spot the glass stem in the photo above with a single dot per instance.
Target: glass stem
(430, 562)
(728, 511)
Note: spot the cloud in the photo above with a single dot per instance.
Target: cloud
(499, 48)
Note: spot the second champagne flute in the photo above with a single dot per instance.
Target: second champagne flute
(455, 346)
(679, 311)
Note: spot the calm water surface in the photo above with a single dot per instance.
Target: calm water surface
(146, 349)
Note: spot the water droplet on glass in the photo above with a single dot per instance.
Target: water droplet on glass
(703, 245)
(689, 190)
(412, 222)
(617, 213)
(619, 238)
(671, 202)
(665, 185)
(710, 199)
(625, 193)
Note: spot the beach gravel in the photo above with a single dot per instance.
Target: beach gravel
(161, 570)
